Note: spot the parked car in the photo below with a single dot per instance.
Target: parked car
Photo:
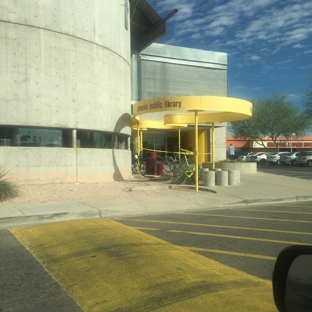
(274, 158)
(244, 157)
(304, 158)
(259, 158)
(289, 158)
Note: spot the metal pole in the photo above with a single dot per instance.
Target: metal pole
(212, 146)
(138, 148)
(141, 140)
(179, 142)
(138, 140)
(293, 134)
(196, 151)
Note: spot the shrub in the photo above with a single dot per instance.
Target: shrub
(7, 189)
(184, 174)
(228, 160)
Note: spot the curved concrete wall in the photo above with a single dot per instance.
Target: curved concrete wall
(65, 64)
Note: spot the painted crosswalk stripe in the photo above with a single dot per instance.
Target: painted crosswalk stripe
(232, 253)
(275, 211)
(213, 226)
(242, 217)
(106, 266)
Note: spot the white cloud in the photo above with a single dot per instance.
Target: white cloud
(295, 98)
(255, 58)
(185, 8)
(239, 25)
(214, 32)
(298, 46)
(298, 34)
(223, 21)
(245, 20)
(264, 39)
(196, 36)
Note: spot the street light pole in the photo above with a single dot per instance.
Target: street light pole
(293, 134)
(196, 151)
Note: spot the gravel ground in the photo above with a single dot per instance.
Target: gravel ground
(61, 193)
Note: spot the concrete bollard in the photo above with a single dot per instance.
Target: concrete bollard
(209, 178)
(232, 177)
(215, 170)
(202, 173)
(211, 181)
(205, 172)
(222, 178)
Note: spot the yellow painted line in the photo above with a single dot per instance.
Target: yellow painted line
(277, 170)
(146, 228)
(295, 205)
(275, 211)
(231, 253)
(238, 237)
(106, 266)
(241, 217)
(213, 226)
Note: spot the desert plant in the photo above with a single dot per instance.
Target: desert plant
(184, 173)
(7, 189)
(228, 160)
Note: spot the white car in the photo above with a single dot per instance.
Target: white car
(244, 157)
(274, 158)
(289, 158)
(259, 158)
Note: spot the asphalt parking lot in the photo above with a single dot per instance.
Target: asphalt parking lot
(244, 238)
(289, 171)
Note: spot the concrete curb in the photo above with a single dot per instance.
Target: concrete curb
(172, 187)
(304, 198)
(262, 201)
(95, 212)
(48, 218)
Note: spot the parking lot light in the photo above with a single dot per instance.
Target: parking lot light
(293, 134)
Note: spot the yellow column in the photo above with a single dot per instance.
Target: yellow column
(179, 142)
(138, 139)
(138, 147)
(212, 146)
(196, 151)
(141, 140)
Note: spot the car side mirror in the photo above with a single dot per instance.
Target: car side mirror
(292, 279)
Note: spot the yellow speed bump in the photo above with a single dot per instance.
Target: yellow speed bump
(106, 266)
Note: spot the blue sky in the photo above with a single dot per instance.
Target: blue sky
(268, 42)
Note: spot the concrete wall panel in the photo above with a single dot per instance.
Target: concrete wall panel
(97, 21)
(63, 165)
(103, 165)
(39, 165)
(54, 80)
(220, 143)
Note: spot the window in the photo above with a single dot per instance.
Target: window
(96, 139)
(35, 137)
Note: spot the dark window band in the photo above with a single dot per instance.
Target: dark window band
(46, 137)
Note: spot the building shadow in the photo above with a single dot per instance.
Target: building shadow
(123, 121)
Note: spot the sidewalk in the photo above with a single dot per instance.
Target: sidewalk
(257, 188)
